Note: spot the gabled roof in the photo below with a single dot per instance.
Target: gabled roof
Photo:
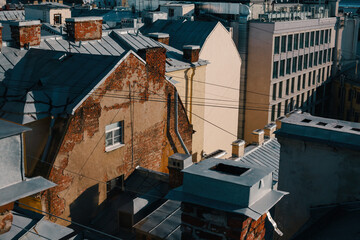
(182, 32)
(45, 83)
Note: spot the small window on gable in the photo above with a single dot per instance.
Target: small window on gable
(114, 136)
(57, 19)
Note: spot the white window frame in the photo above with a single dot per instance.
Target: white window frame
(111, 129)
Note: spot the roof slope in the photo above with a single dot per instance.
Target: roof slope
(182, 32)
(267, 155)
(45, 83)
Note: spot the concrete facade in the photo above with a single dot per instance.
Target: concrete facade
(300, 53)
(318, 166)
(48, 13)
(176, 11)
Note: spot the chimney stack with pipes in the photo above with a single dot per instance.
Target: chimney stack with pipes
(177, 163)
(269, 130)
(191, 53)
(26, 34)
(257, 137)
(238, 149)
(84, 28)
(160, 37)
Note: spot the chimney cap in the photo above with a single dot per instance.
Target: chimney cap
(238, 142)
(258, 131)
(159, 35)
(191, 47)
(83, 19)
(25, 23)
(270, 126)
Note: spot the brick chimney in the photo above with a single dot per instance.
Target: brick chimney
(278, 122)
(26, 33)
(177, 163)
(269, 130)
(84, 28)
(223, 199)
(6, 218)
(238, 148)
(155, 59)
(160, 37)
(191, 53)
(257, 137)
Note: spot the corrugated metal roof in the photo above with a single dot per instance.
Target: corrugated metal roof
(8, 129)
(267, 155)
(12, 15)
(182, 32)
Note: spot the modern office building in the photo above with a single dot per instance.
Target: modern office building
(289, 62)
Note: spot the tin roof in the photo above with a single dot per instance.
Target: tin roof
(47, 6)
(312, 128)
(29, 225)
(12, 15)
(267, 155)
(34, 96)
(182, 32)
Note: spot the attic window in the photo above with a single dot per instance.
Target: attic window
(305, 120)
(229, 169)
(321, 124)
(338, 126)
(356, 129)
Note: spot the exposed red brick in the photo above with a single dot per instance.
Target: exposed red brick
(84, 30)
(6, 219)
(26, 35)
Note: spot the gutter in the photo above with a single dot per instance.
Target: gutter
(176, 124)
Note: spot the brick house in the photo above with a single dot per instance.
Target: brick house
(95, 119)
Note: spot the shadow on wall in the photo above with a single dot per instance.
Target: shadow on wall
(84, 207)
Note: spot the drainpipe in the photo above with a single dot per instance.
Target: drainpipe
(176, 124)
(47, 146)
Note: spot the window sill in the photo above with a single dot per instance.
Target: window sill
(113, 147)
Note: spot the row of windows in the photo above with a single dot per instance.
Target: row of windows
(303, 62)
(277, 110)
(301, 40)
(300, 82)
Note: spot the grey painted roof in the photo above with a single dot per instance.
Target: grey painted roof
(23, 189)
(29, 225)
(8, 129)
(34, 96)
(164, 222)
(12, 15)
(182, 32)
(267, 155)
(312, 128)
(117, 42)
(47, 6)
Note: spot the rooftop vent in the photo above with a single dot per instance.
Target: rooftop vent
(338, 126)
(321, 124)
(229, 169)
(306, 120)
(356, 129)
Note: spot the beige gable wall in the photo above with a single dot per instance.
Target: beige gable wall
(223, 69)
